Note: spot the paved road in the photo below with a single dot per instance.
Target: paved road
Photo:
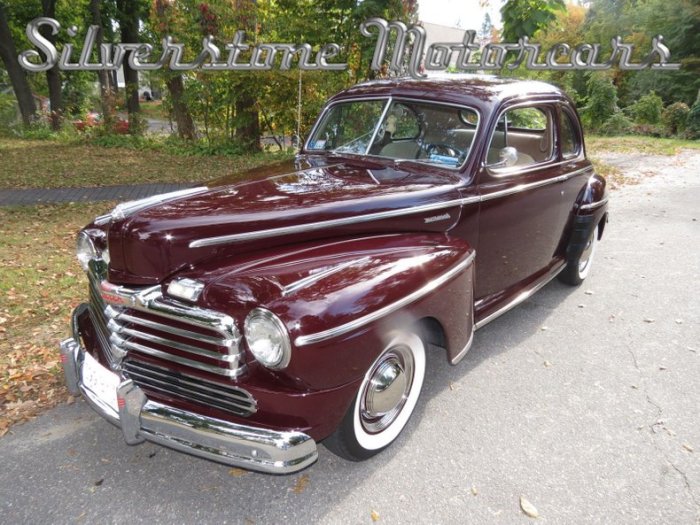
(580, 400)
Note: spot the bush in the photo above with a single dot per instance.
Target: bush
(675, 118)
(617, 124)
(693, 120)
(647, 110)
(602, 102)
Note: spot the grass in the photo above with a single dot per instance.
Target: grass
(639, 144)
(30, 163)
(40, 283)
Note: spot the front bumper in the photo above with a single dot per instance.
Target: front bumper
(141, 419)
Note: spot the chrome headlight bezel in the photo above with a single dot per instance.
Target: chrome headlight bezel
(85, 250)
(261, 319)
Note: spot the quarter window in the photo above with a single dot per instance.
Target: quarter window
(570, 143)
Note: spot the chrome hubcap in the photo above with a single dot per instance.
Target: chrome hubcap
(386, 391)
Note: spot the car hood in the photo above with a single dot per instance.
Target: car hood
(305, 199)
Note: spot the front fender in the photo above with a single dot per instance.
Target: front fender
(339, 298)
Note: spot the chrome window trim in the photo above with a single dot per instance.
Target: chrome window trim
(430, 286)
(531, 167)
(312, 226)
(566, 110)
(391, 99)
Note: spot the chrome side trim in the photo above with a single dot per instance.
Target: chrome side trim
(314, 278)
(313, 226)
(533, 185)
(126, 209)
(304, 340)
(593, 205)
(522, 296)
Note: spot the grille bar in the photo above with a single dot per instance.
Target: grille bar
(230, 399)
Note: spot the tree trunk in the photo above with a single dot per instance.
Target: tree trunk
(247, 122)
(127, 13)
(247, 118)
(53, 75)
(176, 88)
(106, 89)
(183, 118)
(18, 77)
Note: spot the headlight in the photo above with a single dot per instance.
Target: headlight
(85, 250)
(267, 338)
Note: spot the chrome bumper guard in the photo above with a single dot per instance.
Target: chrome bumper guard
(140, 419)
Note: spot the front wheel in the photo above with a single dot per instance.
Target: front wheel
(385, 400)
(578, 269)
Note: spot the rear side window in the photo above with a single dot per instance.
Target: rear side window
(570, 141)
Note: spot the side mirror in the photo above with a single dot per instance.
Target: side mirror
(508, 156)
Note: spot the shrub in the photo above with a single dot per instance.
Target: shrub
(602, 102)
(693, 120)
(617, 124)
(675, 117)
(647, 110)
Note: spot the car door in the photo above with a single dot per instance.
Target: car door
(524, 205)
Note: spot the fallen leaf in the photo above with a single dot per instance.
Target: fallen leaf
(547, 364)
(300, 484)
(679, 321)
(528, 508)
(648, 320)
(474, 491)
(374, 515)
(687, 447)
(589, 292)
(237, 472)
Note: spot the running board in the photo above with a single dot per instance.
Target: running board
(522, 296)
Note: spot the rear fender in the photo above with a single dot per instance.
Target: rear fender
(591, 212)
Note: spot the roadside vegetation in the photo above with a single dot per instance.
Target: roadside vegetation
(111, 160)
(40, 283)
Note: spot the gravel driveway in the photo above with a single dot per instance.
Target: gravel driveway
(584, 401)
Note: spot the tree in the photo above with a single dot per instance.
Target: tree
(18, 77)
(129, 16)
(53, 75)
(525, 17)
(163, 13)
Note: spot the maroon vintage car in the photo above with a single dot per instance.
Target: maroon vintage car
(250, 319)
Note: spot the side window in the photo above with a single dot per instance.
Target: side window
(523, 137)
(403, 123)
(570, 142)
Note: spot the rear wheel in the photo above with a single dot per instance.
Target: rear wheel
(385, 400)
(578, 269)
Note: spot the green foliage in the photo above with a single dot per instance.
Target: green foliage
(647, 110)
(602, 101)
(617, 124)
(675, 117)
(525, 17)
(8, 111)
(693, 121)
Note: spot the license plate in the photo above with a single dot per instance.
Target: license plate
(100, 381)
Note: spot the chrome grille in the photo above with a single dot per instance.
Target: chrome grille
(195, 389)
(144, 322)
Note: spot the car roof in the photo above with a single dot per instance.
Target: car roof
(480, 90)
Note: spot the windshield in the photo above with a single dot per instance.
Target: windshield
(398, 129)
